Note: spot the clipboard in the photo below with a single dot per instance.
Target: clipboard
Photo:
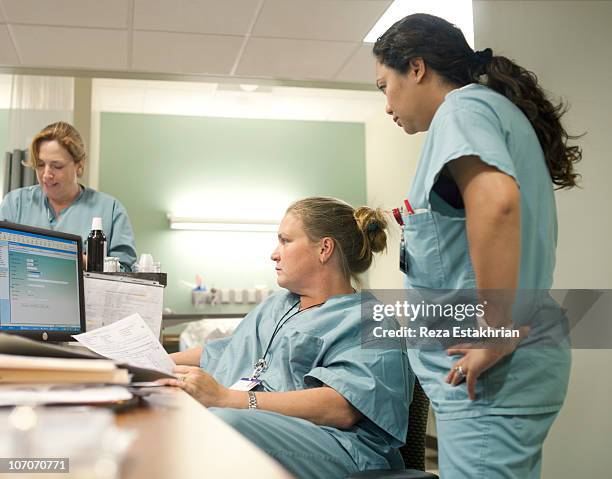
(109, 298)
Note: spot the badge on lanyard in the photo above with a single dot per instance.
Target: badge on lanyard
(245, 384)
(397, 213)
(403, 260)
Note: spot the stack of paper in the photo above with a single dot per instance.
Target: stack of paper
(28, 369)
(128, 342)
(38, 373)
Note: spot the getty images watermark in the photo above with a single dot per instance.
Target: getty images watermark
(433, 319)
(451, 312)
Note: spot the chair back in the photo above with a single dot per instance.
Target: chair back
(413, 452)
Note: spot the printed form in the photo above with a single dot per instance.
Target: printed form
(129, 340)
(110, 298)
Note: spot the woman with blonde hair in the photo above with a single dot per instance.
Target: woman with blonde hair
(60, 202)
(296, 377)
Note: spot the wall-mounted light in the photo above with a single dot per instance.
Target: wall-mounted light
(220, 224)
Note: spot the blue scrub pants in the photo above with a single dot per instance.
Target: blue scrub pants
(303, 448)
(492, 447)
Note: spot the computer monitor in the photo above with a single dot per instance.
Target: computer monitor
(41, 283)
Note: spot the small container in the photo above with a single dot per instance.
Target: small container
(145, 263)
(112, 265)
(96, 246)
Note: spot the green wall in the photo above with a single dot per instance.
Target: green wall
(222, 168)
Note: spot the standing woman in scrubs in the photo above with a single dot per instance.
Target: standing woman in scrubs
(59, 202)
(485, 219)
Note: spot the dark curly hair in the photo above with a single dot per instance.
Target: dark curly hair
(444, 49)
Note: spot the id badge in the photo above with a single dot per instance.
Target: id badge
(245, 384)
(403, 260)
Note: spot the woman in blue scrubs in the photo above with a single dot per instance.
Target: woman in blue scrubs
(316, 396)
(59, 202)
(482, 218)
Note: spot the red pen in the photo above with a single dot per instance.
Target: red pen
(408, 207)
(398, 216)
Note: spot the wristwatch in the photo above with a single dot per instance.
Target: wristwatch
(252, 400)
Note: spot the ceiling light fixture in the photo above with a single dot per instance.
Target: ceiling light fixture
(248, 87)
(458, 12)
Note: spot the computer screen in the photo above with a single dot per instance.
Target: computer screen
(41, 283)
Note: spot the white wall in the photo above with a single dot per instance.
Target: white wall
(391, 159)
(567, 43)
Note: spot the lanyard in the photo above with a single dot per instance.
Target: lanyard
(261, 365)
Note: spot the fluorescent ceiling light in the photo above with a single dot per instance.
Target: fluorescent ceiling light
(248, 87)
(216, 224)
(458, 12)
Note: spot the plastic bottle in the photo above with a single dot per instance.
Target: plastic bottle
(96, 247)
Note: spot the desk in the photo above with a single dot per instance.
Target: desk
(174, 324)
(179, 438)
(171, 320)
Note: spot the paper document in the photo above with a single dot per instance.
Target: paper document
(130, 341)
(36, 394)
(110, 298)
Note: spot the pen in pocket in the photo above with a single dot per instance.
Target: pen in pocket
(408, 207)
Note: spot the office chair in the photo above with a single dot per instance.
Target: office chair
(413, 452)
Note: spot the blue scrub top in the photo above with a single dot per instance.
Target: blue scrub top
(30, 206)
(475, 120)
(320, 346)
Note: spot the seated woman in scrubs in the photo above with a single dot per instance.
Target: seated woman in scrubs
(60, 203)
(321, 402)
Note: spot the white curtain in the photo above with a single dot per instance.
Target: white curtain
(35, 102)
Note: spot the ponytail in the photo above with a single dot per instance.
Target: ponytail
(521, 87)
(444, 49)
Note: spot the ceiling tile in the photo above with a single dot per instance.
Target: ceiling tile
(8, 55)
(184, 53)
(71, 47)
(360, 68)
(229, 17)
(343, 20)
(293, 59)
(78, 13)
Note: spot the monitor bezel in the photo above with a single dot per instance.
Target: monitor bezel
(53, 336)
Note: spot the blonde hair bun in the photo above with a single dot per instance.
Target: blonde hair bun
(372, 223)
